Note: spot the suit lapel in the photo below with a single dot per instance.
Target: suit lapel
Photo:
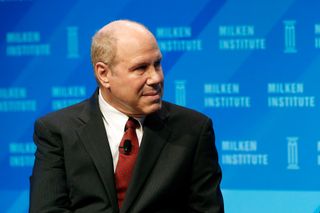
(155, 135)
(95, 140)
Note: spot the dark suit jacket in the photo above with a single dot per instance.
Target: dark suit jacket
(177, 168)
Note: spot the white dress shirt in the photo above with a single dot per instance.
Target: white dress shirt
(114, 123)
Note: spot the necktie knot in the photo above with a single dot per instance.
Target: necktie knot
(132, 124)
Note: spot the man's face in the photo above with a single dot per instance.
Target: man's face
(136, 78)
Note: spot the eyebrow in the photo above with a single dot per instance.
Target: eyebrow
(144, 63)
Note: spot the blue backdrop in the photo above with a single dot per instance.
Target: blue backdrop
(253, 66)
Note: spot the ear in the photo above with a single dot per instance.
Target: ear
(102, 72)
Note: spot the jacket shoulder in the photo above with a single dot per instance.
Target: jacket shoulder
(183, 113)
(65, 116)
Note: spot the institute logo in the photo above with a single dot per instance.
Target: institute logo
(72, 42)
(318, 151)
(293, 160)
(178, 39)
(290, 36)
(180, 89)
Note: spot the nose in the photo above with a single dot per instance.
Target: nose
(155, 76)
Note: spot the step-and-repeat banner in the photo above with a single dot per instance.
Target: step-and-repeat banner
(252, 66)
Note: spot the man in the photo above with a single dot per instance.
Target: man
(82, 151)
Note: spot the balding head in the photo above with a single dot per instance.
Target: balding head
(104, 42)
(127, 65)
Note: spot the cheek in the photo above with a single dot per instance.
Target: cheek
(133, 88)
(128, 86)
(136, 84)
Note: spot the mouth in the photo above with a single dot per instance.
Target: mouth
(155, 93)
(154, 96)
(152, 93)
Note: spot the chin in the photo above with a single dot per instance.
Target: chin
(153, 108)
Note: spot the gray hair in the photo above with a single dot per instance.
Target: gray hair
(103, 47)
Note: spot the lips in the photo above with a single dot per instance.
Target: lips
(152, 93)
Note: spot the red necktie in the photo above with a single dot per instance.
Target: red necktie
(128, 152)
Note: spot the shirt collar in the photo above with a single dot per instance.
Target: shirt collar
(113, 116)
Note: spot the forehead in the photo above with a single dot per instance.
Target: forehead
(137, 47)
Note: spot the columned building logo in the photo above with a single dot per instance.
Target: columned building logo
(73, 42)
(293, 161)
(290, 36)
(180, 87)
(318, 150)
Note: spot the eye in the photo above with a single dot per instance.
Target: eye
(141, 68)
(157, 64)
